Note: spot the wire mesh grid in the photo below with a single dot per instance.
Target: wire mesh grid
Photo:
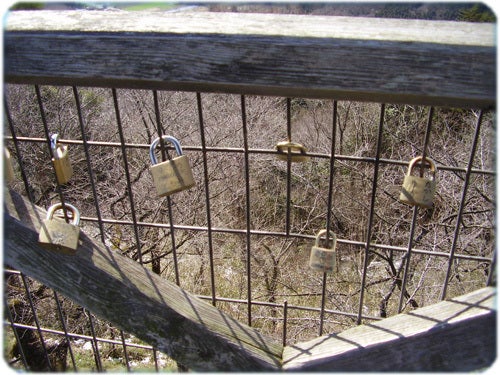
(241, 238)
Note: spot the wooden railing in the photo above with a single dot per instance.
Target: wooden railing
(391, 61)
(341, 58)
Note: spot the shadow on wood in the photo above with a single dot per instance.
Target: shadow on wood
(120, 290)
(454, 335)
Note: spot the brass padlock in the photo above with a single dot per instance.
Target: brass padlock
(419, 191)
(296, 150)
(323, 259)
(8, 169)
(60, 159)
(58, 235)
(173, 175)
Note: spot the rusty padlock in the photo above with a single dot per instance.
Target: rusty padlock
(296, 150)
(58, 235)
(60, 159)
(323, 259)
(173, 175)
(8, 169)
(419, 191)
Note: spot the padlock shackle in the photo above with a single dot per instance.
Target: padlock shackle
(59, 206)
(56, 146)
(428, 161)
(154, 144)
(322, 232)
(290, 146)
(54, 141)
(295, 151)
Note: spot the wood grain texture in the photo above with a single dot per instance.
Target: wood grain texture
(134, 299)
(454, 335)
(414, 62)
(402, 30)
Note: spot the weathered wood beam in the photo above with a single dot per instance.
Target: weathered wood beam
(117, 289)
(454, 335)
(384, 60)
(458, 334)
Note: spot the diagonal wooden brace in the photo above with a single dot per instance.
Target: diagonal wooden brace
(123, 292)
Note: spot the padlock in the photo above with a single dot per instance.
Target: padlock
(60, 159)
(58, 235)
(323, 259)
(8, 169)
(173, 175)
(296, 150)
(419, 191)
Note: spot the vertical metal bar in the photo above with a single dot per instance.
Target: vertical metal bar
(127, 174)
(288, 165)
(65, 329)
(285, 317)
(159, 126)
(92, 184)
(426, 139)
(47, 135)
(372, 211)
(332, 168)
(95, 346)
(155, 358)
(407, 256)
(165, 155)
(329, 210)
(169, 201)
(14, 330)
(288, 119)
(491, 280)
(35, 318)
(323, 302)
(124, 344)
(406, 259)
(20, 161)
(207, 195)
(247, 207)
(462, 204)
(87, 159)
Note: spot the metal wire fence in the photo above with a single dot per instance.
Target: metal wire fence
(241, 238)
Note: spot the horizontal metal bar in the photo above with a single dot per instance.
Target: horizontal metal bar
(251, 151)
(294, 307)
(77, 336)
(281, 234)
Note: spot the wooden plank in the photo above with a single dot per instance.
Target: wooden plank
(458, 335)
(117, 289)
(414, 62)
(402, 30)
(454, 335)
